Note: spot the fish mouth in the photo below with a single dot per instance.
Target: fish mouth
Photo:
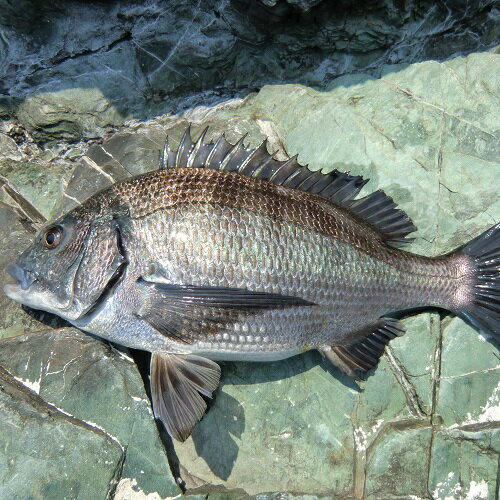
(23, 277)
(26, 290)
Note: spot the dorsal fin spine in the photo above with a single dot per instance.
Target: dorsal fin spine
(232, 152)
(184, 146)
(258, 150)
(376, 209)
(214, 150)
(196, 148)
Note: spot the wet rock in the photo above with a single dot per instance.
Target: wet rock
(73, 374)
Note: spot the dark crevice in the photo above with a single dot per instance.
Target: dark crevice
(17, 390)
(435, 419)
(126, 36)
(113, 484)
(478, 426)
(415, 405)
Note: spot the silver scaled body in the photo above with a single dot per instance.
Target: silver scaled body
(207, 245)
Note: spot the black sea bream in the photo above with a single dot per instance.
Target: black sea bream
(228, 254)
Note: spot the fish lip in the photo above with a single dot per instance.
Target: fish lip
(12, 291)
(23, 277)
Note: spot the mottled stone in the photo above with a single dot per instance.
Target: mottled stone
(425, 422)
(45, 453)
(464, 464)
(39, 182)
(68, 113)
(265, 420)
(399, 454)
(97, 385)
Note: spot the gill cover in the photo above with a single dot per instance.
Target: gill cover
(100, 268)
(72, 277)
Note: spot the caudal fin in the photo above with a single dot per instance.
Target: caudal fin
(483, 311)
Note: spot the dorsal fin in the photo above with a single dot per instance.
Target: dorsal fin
(377, 209)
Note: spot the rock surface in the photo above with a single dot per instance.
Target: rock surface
(71, 69)
(80, 407)
(47, 453)
(425, 424)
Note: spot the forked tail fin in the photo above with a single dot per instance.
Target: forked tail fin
(483, 309)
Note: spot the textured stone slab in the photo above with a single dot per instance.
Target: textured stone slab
(418, 135)
(44, 453)
(426, 134)
(100, 387)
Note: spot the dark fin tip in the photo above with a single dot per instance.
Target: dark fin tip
(360, 357)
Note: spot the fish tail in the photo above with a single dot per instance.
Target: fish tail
(480, 297)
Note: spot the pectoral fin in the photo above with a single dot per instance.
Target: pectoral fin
(177, 386)
(184, 313)
(361, 356)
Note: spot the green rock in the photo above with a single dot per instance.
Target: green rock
(426, 134)
(265, 422)
(39, 183)
(67, 114)
(464, 465)
(45, 453)
(100, 387)
(397, 455)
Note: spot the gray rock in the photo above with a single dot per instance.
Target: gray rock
(73, 69)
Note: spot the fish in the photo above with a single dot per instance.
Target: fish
(227, 253)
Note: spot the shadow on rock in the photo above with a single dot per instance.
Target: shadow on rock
(214, 441)
(251, 372)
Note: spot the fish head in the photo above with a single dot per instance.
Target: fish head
(69, 265)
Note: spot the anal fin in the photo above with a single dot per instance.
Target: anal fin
(177, 385)
(361, 356)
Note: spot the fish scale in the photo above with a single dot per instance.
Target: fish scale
(293, 261)
(227, 253)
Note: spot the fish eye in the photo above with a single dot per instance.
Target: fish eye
(53, 237)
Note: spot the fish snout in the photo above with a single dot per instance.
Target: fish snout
(22, 276)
